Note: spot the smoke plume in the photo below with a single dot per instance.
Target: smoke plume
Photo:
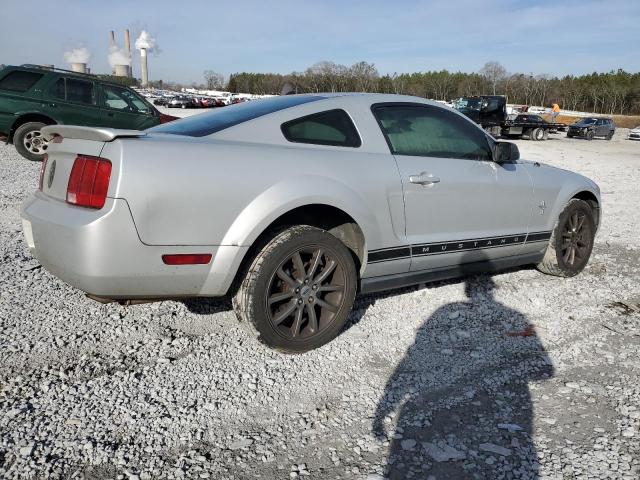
(146, 41)
(118, 56)
(77, 55)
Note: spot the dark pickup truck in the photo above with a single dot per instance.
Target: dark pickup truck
(490, 111)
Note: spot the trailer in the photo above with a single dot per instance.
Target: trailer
(490, 111)
(532, 127)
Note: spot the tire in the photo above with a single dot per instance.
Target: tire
(538, 134)
(590, 135)
(575, 228)
(282, 292)
(610, 136)
(29, 141)
(569, 135)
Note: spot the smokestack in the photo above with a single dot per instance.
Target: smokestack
(112, 45)
(143, 67)
(127, 49)
(79, 67)
(121, 70)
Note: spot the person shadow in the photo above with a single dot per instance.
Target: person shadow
(460, 399)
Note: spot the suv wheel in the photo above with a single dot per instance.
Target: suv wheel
(298, 291)
(29, 141)
(590, 134)
(571, 241)
(610, 136)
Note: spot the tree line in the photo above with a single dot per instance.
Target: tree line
(615, 92)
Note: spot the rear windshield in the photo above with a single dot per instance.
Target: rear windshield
(225, 117)
(19, 81)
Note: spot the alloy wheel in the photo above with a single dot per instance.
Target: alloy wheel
(306, 292)
(576, 237)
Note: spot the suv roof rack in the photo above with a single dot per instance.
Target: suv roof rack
(54, 69)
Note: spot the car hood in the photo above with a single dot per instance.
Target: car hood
(635, 130)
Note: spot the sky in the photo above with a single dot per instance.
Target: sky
(555, 37)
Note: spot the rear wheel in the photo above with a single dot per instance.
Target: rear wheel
(538, 134)
(298, 291)
(571, 241)
(29, 141)
(610, 136)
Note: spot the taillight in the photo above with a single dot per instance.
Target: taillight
(43, 167)
(89, 181)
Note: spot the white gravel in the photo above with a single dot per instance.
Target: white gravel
(519, 375)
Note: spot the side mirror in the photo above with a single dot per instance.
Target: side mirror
(506, 152)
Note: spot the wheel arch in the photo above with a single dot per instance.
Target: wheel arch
(593, 201)
(328, 217)
(29, 117)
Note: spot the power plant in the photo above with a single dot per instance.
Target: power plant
(144, 73)
(79, 67)
(119, 58)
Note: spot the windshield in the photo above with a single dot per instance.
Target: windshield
(468, 103)
(221, 118)
(586, 121)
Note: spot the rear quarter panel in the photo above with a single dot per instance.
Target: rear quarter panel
(184, 191)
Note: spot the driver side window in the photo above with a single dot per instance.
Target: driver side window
(431, 132)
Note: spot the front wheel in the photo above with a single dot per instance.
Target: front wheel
(29, 141)
(590, 135)
(571, 241)
(298, 291)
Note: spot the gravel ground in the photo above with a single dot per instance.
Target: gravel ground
(517, 375)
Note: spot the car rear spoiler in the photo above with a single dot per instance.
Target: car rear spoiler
(99, 134)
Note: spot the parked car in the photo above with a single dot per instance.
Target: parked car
(181, 102)
(591, 127)
(32, 97)
(162, 101)
(634, 133)
(293, 204)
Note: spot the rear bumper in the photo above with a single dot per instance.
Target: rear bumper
(100, 253)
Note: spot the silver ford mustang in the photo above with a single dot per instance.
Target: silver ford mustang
(292, 205)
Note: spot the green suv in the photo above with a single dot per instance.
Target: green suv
(32, 97)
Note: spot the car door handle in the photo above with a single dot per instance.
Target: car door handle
(424, 179)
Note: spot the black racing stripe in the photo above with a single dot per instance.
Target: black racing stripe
(538, 236)
(465, 245)
(421, 250)
(389, 254)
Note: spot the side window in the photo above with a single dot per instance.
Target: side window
(333, 127)
(57, 90)
(19, 81)
(123, 99)
(80, 91)
(431, 132)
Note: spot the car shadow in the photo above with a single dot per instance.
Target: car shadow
(458, 404)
